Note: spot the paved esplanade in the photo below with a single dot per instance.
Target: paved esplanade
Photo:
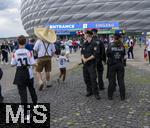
(71, 109)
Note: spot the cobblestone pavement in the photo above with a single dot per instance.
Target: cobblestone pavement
(71, 109)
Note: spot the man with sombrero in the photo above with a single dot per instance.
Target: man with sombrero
(45, 49)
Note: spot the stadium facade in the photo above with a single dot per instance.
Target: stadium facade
(132, 15)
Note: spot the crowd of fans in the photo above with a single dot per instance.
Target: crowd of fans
(69, 45)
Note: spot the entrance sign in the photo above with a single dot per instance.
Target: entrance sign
(84, 25)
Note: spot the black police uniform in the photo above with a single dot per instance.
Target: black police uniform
(89, 68)
(1, 97)
(115, 54)
(101, 56)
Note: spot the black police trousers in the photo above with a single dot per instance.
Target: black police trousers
(116, 70)
(100, 69)
(0, 93)
(4, 56)
(89, 74)
(23, 92)
(130, 50)
(149, 56)
(107, 76)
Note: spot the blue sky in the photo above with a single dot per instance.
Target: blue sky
(10, 22)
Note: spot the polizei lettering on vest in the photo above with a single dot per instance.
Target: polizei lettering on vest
(116, 49)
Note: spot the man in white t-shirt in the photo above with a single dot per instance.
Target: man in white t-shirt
(45, 50)
(148, 47)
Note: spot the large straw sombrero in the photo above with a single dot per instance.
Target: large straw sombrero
(45, 34)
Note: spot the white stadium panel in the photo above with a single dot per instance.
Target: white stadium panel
(133, 15)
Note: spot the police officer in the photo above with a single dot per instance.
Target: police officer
(1, 96)
(116, 54)
(111, 41)
(101, 56)
(88, 57)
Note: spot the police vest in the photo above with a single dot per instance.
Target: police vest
(117, 54)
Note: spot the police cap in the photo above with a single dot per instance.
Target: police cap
(117, 36)
(89, 32)
(94, 30)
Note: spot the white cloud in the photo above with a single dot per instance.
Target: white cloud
(10, 22)
(13, 10)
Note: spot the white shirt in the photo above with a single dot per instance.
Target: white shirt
(70, 42)
(67, 49)
(130, 42)
(25, 57)
(78, 42)
(62, 61)
(148, 44)
(39, 47)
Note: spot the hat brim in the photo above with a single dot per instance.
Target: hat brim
(50, 35)
(36, 32)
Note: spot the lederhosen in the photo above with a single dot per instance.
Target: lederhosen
(46, 55)
(44, 62)
(46, 50)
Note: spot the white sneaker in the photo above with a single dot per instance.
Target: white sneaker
(41, 83)
(7, 63)
(48, 84)
(2, 62)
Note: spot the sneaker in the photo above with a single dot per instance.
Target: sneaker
(48, 84)
(97, 97)
(89, 94)
(2, 62)
(41, 85)
(7, 63)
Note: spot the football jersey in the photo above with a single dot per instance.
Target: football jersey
(23, 57)
(62, 61)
